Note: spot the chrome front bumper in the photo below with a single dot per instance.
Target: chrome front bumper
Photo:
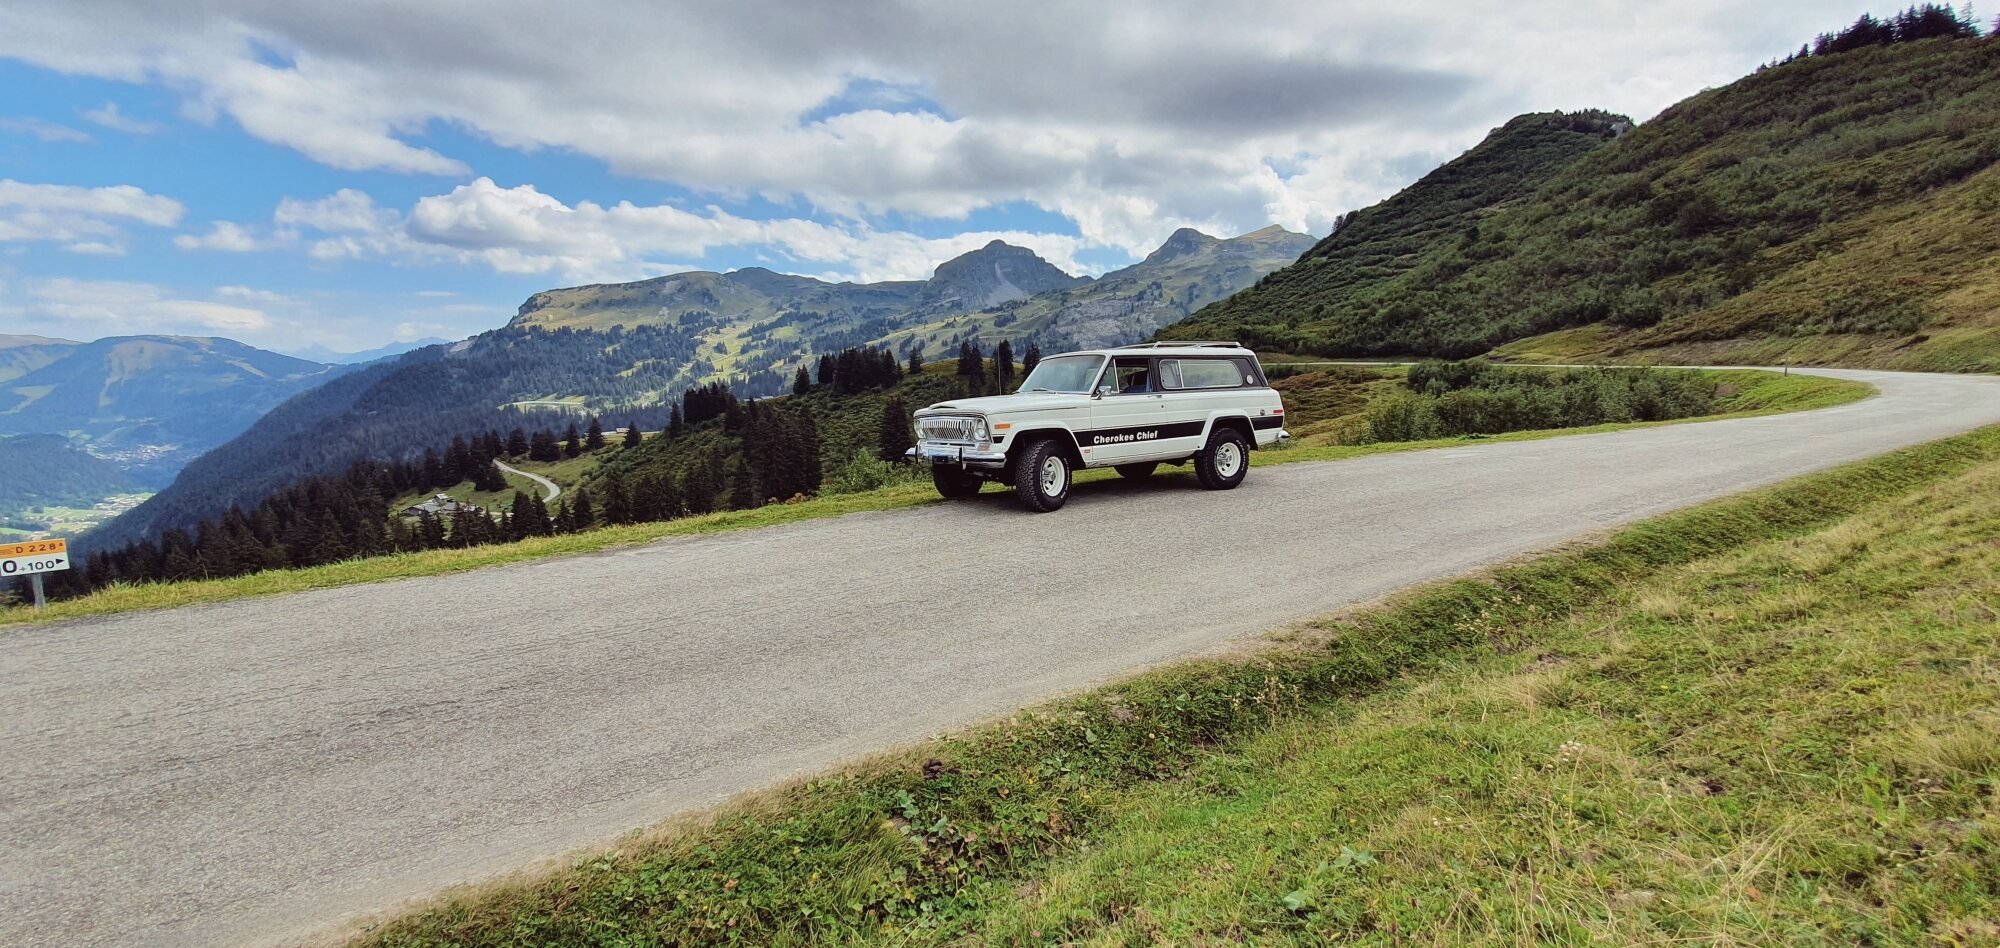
(959, 454)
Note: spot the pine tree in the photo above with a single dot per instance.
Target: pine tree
(489, 478)
(458, 461)
(633, 436)
(617, 501)
(517, 443)
(894, 436)
(430, 531)
(538, 517)
(916, 366)
(519, 515)
(675, 424)
(594, 439)
(433, 475)
(742, 489)
(802, 382)
(698, 488)
(401, 538)
(543, 447)
(1003, 367)
(1032, 358)
(586, 516)
(572, 441)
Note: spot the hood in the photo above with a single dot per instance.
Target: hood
(996, 404)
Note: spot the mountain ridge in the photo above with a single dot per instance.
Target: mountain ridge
(1838, 208)
(152, 402)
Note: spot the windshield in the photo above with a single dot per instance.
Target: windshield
(1063, 374)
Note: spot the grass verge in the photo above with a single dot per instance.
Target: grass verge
(1754, 393)
(1014, 831)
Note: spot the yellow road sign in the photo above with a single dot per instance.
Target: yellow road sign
(33, 556)
(33, 548)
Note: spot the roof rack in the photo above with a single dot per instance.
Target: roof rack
(1183, 343)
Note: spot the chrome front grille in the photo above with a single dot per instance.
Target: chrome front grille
(945, 428)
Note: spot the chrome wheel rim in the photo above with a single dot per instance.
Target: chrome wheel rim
(1054, 475)
(1228, 459)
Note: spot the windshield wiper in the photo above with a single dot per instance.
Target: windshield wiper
(1048, 390)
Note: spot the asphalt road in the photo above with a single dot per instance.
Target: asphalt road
(253, 770)
(554, 489)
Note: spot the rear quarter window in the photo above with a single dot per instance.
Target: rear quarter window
(1207, 373)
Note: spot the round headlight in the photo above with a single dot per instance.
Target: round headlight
(979, 429)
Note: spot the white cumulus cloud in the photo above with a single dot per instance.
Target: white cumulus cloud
(111, 117)
(90, 308)
(1128, 117)
(85, 220)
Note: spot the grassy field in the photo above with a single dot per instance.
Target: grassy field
(1772, 718)
(1753, 393)
(70, 521)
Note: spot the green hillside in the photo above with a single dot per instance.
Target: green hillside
(1843, 207)
(47, 470)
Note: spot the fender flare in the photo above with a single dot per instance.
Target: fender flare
(1062, 434)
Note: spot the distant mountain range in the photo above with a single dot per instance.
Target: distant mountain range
(619, 349)
(148, 403)
(1187, 272)
(327, 356)
(754, 325)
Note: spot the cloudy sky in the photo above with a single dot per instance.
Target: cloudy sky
(345, 174)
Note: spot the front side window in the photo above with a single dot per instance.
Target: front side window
(1203, 373)
(1063, 374)
(1130, 376)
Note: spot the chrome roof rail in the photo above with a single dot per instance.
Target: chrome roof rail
(1184, 343)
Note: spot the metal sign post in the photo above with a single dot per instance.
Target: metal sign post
(32, 559)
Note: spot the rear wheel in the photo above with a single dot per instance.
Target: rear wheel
(1138, 471)
(1041, 476)
(953, 482)
(1222, 464)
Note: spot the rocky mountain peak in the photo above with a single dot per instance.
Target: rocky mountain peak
(994, 274)
(1181, 243)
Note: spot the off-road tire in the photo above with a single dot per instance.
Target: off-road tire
(953, 482)
(1222, 464)
(1138, 470)
(1042, 476)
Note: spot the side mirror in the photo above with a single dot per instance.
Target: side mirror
(1102, 390)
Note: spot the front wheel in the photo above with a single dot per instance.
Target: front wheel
(1222, 464)
(1041, 476)
(953, 482)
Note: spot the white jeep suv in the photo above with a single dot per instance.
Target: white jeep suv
(1132, 408)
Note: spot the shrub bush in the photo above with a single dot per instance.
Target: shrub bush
(1448, 399)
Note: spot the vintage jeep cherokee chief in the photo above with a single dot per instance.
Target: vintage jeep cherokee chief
(1132, 408)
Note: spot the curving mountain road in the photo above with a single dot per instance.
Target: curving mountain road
(554, 489)
(254, 770)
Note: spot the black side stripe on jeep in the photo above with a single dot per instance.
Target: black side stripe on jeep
(1268, 421)
(1104, 436)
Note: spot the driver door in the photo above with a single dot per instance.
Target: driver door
(1125, 419)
